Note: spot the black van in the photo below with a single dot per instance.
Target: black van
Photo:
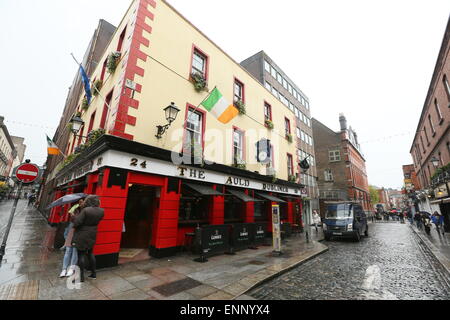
(345, 220)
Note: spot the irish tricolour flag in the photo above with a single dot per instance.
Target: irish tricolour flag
(219, 107)
(52, 148)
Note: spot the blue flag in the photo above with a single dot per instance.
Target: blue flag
(87, 86)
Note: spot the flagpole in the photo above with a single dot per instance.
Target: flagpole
(196, 108)
(104, 100)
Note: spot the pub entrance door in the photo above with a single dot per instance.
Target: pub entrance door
(138, 220)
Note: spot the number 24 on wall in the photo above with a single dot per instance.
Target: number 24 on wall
(134, 163)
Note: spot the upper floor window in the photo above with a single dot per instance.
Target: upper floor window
(328, 175)
(287, 126)
(334, 155)
(238, 91)
(267, 111)
(446, 86)
(273, 72)
(102, 76)
(121, 39)
(267, 66)
(268, 86)
(194, 131)
(438, 110)
(431, 125)
(199, 63)
(238, 146)
(290, 165)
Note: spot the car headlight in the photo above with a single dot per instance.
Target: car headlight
(350, 227)
(324, 226)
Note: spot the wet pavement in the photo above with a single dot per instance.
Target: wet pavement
(5, 210)
(31, 267)
(392, 263)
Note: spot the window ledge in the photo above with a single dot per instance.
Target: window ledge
(441, 121)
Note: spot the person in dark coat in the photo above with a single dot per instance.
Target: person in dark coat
(85, 225)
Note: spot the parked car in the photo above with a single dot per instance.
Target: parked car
(345, 220)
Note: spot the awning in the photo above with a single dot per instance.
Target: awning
(204, 190)
(292, 198)
(269, 197)
(242, 196)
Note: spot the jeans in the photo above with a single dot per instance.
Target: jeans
(70, 257)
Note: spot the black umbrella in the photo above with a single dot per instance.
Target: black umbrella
(69, 198)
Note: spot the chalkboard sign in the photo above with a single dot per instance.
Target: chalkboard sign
(241, 235)
(212, 239)
(259, 233)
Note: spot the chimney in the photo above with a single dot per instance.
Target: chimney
(343, 122)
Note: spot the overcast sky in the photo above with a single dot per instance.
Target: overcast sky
(371, 60)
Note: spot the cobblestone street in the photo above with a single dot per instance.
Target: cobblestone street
(391, 264)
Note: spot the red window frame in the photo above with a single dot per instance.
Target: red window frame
(287, 126)
(290, 162)
(241, 84)
(102, 76)
(203, 113)
(121, 39)
(269, 108)
(108, 100)
(201, 53)
(91, 122)
(243, 144)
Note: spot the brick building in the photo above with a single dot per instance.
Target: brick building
(341, 165)
(430, 149)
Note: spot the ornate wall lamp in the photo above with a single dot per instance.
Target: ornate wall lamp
(171, 114)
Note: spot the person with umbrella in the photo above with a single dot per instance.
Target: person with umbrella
(71, 255)
(85, 235)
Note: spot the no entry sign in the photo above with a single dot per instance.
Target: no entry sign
(27, 173)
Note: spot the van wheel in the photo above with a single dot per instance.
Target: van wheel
(366, 233)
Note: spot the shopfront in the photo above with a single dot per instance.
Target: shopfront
(152, 203)
(441, 194)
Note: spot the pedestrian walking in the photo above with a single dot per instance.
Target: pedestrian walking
(316, 220)
(70, 259)
(438, 220)
(418, 219)
(85, 234)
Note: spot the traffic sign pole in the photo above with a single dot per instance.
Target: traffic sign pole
(13, 210)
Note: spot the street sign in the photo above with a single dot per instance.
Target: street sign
(27, 172)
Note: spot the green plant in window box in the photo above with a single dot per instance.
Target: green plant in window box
(269, 124)
(96, 87)
(113, 61)
(84, 104)
(199, 82)
(292, 178)
(274, 178)
(80, 148)
(289, 137)
(240, 105)
(94, 135)
(239, 163)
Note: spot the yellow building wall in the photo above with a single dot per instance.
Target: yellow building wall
(171, 44)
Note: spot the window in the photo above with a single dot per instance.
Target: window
(290, 88)
(199, 63)
(279, 78)
(238, 147)
(438, 111)
(290, 165)
(267, 66)
(238, 91)
(328, 175)
(275, 92)
(287, 126)
(446, 86)
(298, 132)
(121, 38)
(102, 76)
(91, 122)
(291, 106)
(303, 136)
(273, 72)
(433, 132)
(423, 146)
(285, 84)
(194, 131)
(295, 94)
(267, 111)
(268, 86)
(105, 110)
(297, 113)
(426, 135)
(334, 155)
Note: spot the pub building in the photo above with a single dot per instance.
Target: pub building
(156, 205)
(151, 201)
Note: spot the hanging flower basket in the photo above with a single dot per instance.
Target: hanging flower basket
(289, 137)
(240, 105)
(94, 135)
(84, 104)
(96, 87)
(199, 82)
(113, 61)
(269, 124)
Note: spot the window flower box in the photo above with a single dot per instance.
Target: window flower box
(199, 82)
